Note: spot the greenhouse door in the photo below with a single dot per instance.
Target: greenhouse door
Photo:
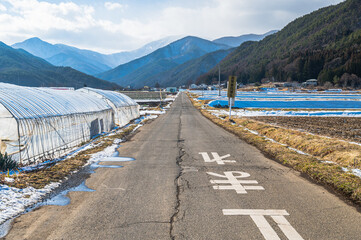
(94, 128)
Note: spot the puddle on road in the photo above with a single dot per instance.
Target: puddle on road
(81, 188)
(114, 158)
(61, 199)
(115, 154)
(96, 165)
(118, 159)
(5, 228)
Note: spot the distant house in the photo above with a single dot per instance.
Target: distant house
(310, 82)
(198, 87)
(193, 86)
(171, 89)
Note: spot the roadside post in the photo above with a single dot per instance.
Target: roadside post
(219, 80)
(161, 99)
(231, 94)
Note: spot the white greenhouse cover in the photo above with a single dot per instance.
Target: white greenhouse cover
(38, 124)
(125, 108)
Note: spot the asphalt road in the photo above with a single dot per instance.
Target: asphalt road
(184, 185)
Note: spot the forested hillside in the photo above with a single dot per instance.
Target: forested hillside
(20, 67)
(187, 73)
(325, 45)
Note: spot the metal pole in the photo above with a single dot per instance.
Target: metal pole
(161, 98)
(230, 109)
(219, 80)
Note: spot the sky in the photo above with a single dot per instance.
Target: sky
(110, 26)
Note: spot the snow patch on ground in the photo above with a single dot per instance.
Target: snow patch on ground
(14, 201)
(356, 172)
(151, 112)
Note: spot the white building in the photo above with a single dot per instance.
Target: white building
(310, 82)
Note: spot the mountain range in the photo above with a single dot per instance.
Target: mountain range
(20, 67)
(323, 45)
(188, 72)
(166, 62)
(138, 72)
(86, 61)
(237, 41)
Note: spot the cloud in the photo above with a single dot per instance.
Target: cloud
(113, 6)
(230, 17)
(32, 15)
(29, 18)
(94, 25)
(2, 8)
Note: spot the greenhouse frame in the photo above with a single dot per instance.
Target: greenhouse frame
(38, 124)
(125, 109)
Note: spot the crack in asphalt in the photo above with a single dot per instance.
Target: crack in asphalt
(179, 159)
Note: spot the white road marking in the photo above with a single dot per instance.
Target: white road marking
(235, 183)
(262, 212)
(265, 228)
(286, 228)
(216, 158)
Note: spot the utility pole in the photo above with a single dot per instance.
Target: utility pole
(232, 92)
(219, 79)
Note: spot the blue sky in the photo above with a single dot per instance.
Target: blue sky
(112, 26)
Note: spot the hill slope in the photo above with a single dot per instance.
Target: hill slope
(236, 41)
(188, 72)
(21, 68)
(116, 59)
(324, 44)
(86, 61)
(62, 55)
(137, 72)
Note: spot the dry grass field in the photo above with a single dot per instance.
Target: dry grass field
(323, 159)
(347, 128)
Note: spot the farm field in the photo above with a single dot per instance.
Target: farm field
(348, 128)
(284, 100)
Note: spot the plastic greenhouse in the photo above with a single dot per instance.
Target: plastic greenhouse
(125, 109)
(42, 123)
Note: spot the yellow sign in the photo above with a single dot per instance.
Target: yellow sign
(232, 85)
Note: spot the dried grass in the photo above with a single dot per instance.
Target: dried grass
(41, 178)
